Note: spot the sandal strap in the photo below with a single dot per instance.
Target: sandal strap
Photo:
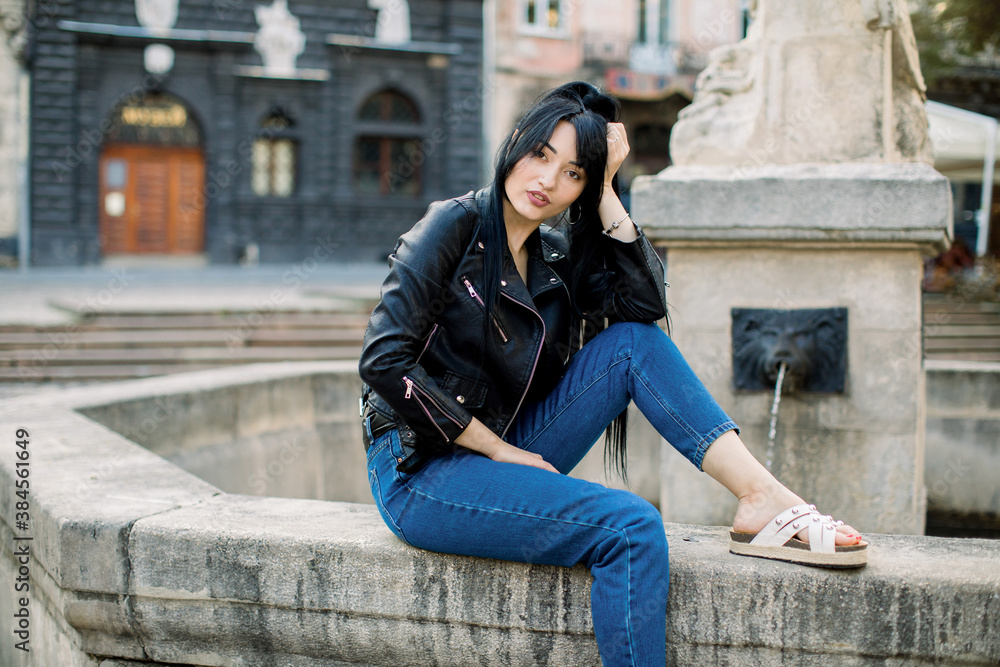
(822, 529)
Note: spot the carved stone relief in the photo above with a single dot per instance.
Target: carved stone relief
(393, 23)
(280, 40)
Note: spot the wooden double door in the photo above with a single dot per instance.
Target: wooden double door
(152, 200)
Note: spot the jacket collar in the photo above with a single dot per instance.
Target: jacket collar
(544, 248)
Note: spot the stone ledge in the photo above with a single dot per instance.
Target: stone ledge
(848, 204)
(150, 563)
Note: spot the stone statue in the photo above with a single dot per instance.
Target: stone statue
(156, 14)
(280, 40)
(12, 27)
(798, 89)
(393, 23)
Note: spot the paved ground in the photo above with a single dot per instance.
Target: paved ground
(53, 296)
(49, 296)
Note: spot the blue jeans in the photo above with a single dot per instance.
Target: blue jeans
(465, 503)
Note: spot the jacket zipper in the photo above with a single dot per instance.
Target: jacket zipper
(475, 295)
(427, 343)
(534, 365)
(410, 385)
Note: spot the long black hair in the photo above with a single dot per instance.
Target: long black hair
(589, 111)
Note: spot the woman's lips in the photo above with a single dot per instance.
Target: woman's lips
(537, 198)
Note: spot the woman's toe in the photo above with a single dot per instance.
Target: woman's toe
(847, 536)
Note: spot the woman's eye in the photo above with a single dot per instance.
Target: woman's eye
(539, 154)
(574, 175)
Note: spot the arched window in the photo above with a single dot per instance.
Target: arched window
(387, 154)
(274, 156)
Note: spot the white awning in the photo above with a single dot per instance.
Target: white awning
(966, 146)
(959, 139)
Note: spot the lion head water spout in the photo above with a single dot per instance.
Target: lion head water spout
(793, 351)
(810, 344)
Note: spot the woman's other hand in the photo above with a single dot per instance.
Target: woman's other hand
(480, 439)
(506, 453)
(618, 149)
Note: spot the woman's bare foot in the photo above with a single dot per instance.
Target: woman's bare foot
(758, 507)
(761, 496)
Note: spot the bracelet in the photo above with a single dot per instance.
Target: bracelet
(614, 225)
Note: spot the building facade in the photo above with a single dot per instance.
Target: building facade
(229, 130)
(646, 52)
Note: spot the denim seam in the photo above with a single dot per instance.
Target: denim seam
(385, 508)
(628, 616)
(374, 450)
(692, 433)
(506, 511)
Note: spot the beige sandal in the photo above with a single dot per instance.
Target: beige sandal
(777, 541)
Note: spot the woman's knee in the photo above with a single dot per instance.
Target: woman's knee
(641, 334)
(643, 522)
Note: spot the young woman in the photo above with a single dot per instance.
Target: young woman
(502, 348)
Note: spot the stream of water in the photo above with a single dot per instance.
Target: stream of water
(774, 416)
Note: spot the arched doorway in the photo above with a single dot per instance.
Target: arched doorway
(152, 177)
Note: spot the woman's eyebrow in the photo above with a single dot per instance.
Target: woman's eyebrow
(546, 144)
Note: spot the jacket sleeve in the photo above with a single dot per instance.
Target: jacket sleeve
(416, 288)
(629, 287)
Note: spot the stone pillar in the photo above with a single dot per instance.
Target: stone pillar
(799, 182)
(807, 236)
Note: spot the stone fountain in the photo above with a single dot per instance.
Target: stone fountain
(801, 180)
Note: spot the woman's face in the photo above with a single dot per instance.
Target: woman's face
(546, 181)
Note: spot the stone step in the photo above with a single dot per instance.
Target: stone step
(89, 373)
(944, 318)
(961, 355)
(36, 357)
(962, 331)
(222, 321)
(957, 303)
(234, 336)
(958, 329)
(962, 343)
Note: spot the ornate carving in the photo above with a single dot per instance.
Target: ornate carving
(393, 23)
(156, 14)
(279, 40)
(12, 25)
(811, 342)
(808, 84)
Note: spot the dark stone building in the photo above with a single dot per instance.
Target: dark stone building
(329, 153)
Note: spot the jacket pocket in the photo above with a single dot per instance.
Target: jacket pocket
(478, 299)
(468, 392)
(427, 342)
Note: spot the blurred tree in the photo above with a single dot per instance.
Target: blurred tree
(953, 34)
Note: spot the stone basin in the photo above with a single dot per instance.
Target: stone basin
(153, 544)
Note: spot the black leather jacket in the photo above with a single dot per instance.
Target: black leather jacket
(423, 351)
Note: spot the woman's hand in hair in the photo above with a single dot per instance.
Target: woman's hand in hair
(480, 439)
(618, 149)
